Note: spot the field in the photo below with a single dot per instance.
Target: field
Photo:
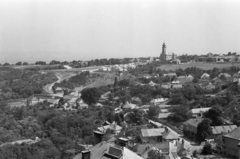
(103, 80)
(33, 66)
(201, 65)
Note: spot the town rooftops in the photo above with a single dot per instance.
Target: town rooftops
(105, 150)
(130, 106)
(152, 132)
(163, 115)
(193, 122)
(170, 74)
(151, 83)
(170, 135)
(224, 74)
(222, 129)
(112, 126)
(159, 100)
(199, 110)
(205, 75)
(235, 134)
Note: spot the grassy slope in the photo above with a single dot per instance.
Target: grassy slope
(204, 66)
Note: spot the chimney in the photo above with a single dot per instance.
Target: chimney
(166, 130)
(123, 141)
(238, 151)
(86, 154)
(98, 136)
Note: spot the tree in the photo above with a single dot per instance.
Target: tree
(25, 63)
(204, 130)
(19, 63)
(179, 114)
(155, 154)
(178, 98)
(115, 82)
(124, 83)
(215, 115)
(90, 95)
(207, 149)
(6, 64)
(153, 111)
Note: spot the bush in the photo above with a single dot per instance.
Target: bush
(207, 149)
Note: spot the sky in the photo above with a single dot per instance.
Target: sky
(32, 30)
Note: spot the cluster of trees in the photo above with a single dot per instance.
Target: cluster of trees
(40, 63)
(21, 63)
(59, 131)
(22, 83)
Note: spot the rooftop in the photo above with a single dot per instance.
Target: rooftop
(152, 132)
(223, 129)
(194, 122)
(199, 110)
(163, 115)
(104, 150)
(235, 134)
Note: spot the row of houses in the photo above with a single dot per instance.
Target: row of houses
(230, 135)
(121, 67)
(160, 139)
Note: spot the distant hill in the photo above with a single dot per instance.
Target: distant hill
(201, 65)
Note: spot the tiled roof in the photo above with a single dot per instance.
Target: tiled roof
(170, 135)
(104, 150)
(235, 134)
(223, 129)
(193, 122)
(152, 132)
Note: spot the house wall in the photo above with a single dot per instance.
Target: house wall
(238, 152)
(152, 139)
(190, 128)
(231, 146)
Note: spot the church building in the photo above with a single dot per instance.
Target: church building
(166, 57)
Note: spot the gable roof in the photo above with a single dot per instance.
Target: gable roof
(205, 75)
(224, 74)
(222, 129)
(193, 122)
(151, 83)
(170, 135)
(235, 134)
(152, 132)
(104, 149)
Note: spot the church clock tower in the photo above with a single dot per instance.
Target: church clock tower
(163, 55)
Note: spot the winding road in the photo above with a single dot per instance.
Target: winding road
(48, 88)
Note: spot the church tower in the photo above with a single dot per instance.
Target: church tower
(163, 55)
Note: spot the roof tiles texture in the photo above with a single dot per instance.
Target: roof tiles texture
(235, 134)
(102, 149)
(223, 129)
(152, 132)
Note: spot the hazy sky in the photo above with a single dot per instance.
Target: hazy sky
(89, 29)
